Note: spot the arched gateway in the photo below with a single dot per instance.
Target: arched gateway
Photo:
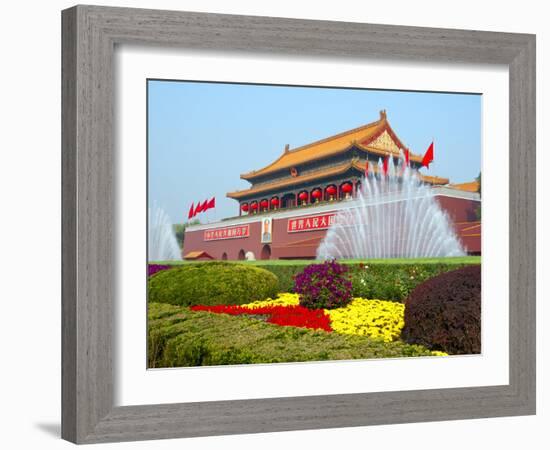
(266, 252)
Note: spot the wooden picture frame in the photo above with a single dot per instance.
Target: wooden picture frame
(90, 34)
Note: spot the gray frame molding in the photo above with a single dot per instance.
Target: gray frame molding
(89, 36)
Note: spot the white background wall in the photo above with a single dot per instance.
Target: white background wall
(31, 209)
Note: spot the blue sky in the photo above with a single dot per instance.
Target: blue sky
(202, 136)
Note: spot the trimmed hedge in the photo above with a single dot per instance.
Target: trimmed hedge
(444, 313)
(388, 281)
(285, 274)
(178, 337)
(212, 283)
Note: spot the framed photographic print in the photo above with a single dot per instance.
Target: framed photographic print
(305, 210)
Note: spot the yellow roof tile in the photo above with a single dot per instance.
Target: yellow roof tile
(197, 254)
(361, 137)
(471, 186)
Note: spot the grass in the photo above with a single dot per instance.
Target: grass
(305, 262)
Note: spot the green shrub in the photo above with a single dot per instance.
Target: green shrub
(393, 281)
(383, 280)
(212, 283)
(179, 337)
(325, 285)
(444, 312)
(285, 274)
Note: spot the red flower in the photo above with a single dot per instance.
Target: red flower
(294, 315)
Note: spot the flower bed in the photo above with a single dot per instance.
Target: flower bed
(291, 315)
(376, 319)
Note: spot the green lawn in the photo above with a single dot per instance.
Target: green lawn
(305, 262)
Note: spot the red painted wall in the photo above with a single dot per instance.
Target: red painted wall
(304, 244)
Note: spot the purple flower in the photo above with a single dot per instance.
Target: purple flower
(154, 268)
(323, 285)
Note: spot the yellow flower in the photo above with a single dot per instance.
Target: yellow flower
(285, 299)
(377, 319)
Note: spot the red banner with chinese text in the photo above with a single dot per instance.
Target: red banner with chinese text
(311, 223)
(236, 232)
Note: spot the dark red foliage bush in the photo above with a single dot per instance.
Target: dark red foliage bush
(324, 285)
(444, 312)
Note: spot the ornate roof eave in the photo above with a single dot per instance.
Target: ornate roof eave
(432, 179)
(255, 173)
(332, 171)
(470, 186)
(364, 148)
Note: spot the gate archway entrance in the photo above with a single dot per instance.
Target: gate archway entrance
(266, 252)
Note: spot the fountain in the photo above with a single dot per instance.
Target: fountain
(162, 244)
(394, 216)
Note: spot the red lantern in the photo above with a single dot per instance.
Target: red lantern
(316, 194)
(264, 204)
(244, 207)
(303, 196)
(347, 188)
(275, 202)
(254, 206)
(331, 190)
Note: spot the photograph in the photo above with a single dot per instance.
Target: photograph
(268, 225)
(305, 223)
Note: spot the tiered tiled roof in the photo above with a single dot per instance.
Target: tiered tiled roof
(376, 138)
(360, 137)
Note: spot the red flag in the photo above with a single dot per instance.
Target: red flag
(211, 203)
(200, 207)
(407, 155)
(367, 168)
(385, 165)
(191, 211)
(428, 156)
